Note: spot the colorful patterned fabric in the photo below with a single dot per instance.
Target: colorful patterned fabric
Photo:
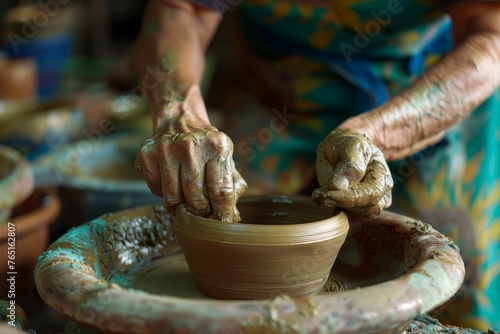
(314, 63)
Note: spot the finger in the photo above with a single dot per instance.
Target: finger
(351, 166)
(368, 192)
(324, 169)
(367, 211)
(147, 161)
(170, 173)
(318, 195)
(240, 186)
(193, 179)
(378, 157)
(220, 178)
(370, 211)
(388, 200)
(221, 189)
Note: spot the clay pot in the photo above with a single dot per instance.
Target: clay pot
(16, 181)
(30, 223)
(283, 246)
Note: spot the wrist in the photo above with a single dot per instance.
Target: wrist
(394, 127)
(178, 103)
(362, 125)
(182, 114)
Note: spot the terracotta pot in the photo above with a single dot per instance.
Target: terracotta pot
(125, 273)
(30, 223)
(284, 246)
(16, 181)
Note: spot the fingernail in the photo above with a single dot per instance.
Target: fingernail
(340, 182)
(317, 193)
(331, 203)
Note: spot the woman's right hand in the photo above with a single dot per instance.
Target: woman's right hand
(188, 161)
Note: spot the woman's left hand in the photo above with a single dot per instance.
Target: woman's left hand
(353, 174)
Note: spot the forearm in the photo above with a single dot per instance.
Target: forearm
(446, 93)
(170, 57)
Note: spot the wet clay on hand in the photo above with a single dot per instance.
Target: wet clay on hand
(353, 174)
(189, 161)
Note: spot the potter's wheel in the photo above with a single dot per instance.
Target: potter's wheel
(124, 272)
(170, 276)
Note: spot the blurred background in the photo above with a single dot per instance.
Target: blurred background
(70, 109)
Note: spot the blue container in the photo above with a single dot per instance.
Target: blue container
(50, 55)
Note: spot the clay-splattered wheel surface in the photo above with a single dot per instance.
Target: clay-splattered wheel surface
(125, 273)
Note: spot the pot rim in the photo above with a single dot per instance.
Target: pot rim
(201, 228)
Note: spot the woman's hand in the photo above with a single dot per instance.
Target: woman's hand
(353, 174)
(189, 161)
